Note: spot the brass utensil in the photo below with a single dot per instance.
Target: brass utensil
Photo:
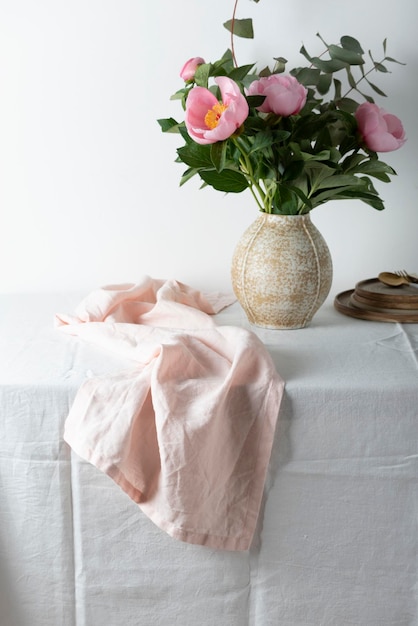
(393, 279)
(409, 277)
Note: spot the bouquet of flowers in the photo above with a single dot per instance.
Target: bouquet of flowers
(295, 139)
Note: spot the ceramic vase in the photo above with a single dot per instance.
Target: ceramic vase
(281, 271)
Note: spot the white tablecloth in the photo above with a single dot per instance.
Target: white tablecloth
(337, 542)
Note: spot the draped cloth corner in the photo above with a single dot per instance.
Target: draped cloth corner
(187, 428)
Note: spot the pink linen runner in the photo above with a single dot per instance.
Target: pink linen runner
(186, 430)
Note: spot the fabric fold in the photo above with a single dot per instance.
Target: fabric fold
(186, 430)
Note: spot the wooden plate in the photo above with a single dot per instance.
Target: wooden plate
(373, 289)
(383, 303)
(343, 304)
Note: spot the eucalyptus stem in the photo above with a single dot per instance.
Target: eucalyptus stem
(362, 78)
(232, 34)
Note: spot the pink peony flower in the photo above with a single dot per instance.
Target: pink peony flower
(284, 94)
(189, 68)
(381, 131)
(208, 120)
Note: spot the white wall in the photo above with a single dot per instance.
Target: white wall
(89, 191)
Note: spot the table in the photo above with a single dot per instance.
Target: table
(337, 541)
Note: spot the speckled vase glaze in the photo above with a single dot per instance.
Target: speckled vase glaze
(281, 271)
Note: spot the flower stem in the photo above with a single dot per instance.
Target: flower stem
(260, 196)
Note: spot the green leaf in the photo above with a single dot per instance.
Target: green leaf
(241, 28)
(255, 101)
(324, 155)
(202, 73)
(351, 162)
(375, 168)
(169, 125)
(339, 180)
(187, 175)
(262, 140)
(185, 134)
(229, 181)
(293, 171)
(195, 155)
(239, 73)
(179, 95)
(285, 201)
(318, 172)
(218, 154)
(362, 190)
(226, 61)
(345, 193)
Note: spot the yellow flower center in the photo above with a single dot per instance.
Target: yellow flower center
(214, 114)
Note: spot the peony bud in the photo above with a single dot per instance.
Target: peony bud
(189, 68)
(381, 131)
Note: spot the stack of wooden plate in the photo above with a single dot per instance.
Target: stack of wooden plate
(372, 300)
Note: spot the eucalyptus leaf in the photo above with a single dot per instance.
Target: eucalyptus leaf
(349, 43)
(381, 68)
(346, 55)
(376, 89)
(337, 87)
(333, 65)
(279, 65)
(307, 75)
(266, 71)
(394, 61)
(351, 80)
(241, 28)
(324, 83)
(347, 104)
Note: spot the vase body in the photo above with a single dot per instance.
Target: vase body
(281, 271)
